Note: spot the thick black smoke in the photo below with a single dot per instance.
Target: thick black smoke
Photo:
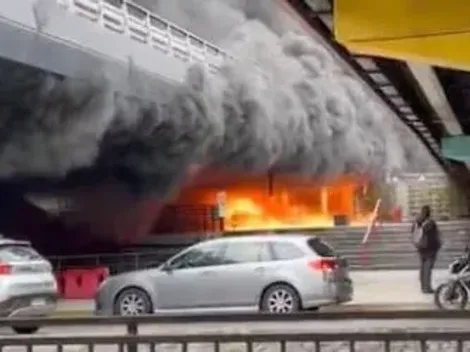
(227, 23)
(295, 111)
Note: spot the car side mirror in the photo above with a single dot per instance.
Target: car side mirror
(166, 267)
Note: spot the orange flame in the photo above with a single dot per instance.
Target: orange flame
(294, 206)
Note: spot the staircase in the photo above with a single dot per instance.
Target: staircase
(390, 247)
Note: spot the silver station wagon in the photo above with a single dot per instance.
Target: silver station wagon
(268, 273)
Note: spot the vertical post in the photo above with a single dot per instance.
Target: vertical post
(204, 221)
(373, 222)
(270, 183)
(221, 225)
(132, 330)
(221, 200)
(324, 200)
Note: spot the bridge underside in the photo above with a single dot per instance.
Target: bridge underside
(397, 83)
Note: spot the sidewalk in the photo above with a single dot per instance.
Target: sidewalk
(373, 290)
(397, 288)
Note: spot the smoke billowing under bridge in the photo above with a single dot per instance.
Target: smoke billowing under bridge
(296, 111)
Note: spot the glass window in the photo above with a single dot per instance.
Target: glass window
(201, 256)
(196, 42)
(286, 251)
(246, 252)
(116, 3)
(321, 248)
(136, 11)
(178, 33)
(158, 23)
(14, 253)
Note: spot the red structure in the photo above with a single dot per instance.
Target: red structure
(81, 283)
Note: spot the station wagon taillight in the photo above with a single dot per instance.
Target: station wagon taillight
(324, 264)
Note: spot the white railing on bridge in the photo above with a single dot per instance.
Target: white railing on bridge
(128, 18)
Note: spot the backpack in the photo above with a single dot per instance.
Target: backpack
(419, 240)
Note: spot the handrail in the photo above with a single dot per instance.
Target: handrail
(240, 318)
(133, 20)
(369, 340)
(347, 339)
(220, 338)
(116, 262)
(136, 259)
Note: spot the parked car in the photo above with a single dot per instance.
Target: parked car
(28, 287)
(268, 273)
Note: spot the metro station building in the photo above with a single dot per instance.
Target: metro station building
(415, 63)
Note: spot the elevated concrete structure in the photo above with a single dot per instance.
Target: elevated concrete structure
(135, 50)
(431, 101)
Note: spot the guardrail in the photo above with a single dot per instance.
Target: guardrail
(314, 342)
(127, 18)
(367, 339)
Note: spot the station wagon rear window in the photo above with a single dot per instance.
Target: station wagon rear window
(321, 248)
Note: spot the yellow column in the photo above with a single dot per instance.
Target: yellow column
(431, 31)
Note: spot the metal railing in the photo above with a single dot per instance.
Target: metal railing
(286, 342)
(116, 262)
(347, 246)
(231, 333)
(127, 18)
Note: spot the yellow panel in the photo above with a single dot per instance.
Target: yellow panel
(362, 20)
(433, 31)
(446, 51)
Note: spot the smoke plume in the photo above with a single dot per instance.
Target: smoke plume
(295, 110)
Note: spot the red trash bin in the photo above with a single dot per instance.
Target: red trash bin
(83, 283)
(72, 283)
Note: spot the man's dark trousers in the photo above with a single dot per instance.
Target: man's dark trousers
(427, 260)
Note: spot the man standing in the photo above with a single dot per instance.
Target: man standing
(426, 238)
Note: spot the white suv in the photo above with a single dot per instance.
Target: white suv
(28, 287)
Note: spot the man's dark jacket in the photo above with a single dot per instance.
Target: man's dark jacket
(430, 240)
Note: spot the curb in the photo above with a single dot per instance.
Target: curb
(72, 313)
(385, 306)
(352, 307)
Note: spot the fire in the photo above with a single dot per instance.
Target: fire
(289, 205)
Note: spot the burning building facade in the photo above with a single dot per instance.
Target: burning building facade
(281, 201)
(283, 137)
(213, 203)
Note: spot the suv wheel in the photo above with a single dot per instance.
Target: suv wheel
(133, 301)
(280, 299)
(25, 329)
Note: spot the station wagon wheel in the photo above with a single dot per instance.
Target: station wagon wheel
(132, 301)
(280, 299)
